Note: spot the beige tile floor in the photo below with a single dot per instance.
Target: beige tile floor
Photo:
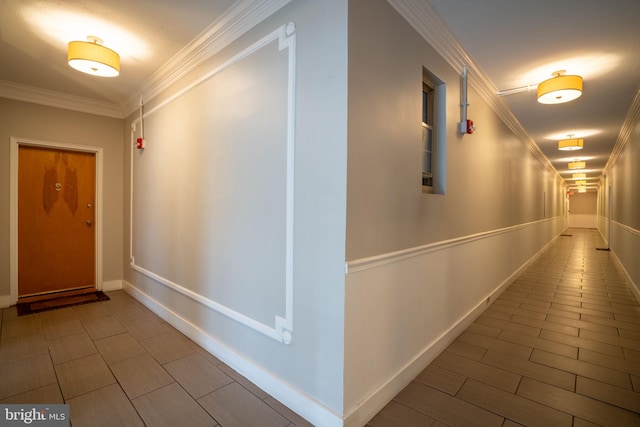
(560, 347)
(117, 364)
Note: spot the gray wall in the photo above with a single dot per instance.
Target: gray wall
(422, 266)
(583, 210)
(356, 337)
(26, 120)
(584, 203)
(493, 180)
(619, 204)
(312, 364)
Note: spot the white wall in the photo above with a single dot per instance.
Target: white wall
(421, 266)
(38, 122)
(619, 200)
(583, 212)
(199, 259)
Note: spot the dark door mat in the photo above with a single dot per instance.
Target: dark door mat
(25, 308)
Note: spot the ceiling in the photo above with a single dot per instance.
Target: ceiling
(146, 34)
(514, 43)
(520, 43)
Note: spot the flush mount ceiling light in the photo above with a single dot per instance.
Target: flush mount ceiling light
(577, 164)
(556, 90)
(570, 144)
(93, 58)
(582, 189)
(580, 175)
(560, 88)
(581, 182)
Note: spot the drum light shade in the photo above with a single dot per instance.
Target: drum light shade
(559, 89)
(571, 144)
(577, 165)
(92, 58)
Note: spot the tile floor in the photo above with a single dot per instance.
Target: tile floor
(560, 347)
(117, 364)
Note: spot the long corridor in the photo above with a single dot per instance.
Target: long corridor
(560, 347)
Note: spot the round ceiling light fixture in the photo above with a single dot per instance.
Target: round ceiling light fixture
(577, 164)
(560, 88)
(571, 144)
(93, 58)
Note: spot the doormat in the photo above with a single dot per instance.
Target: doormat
(25, 308)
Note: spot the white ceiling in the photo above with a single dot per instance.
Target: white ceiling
(145, 33)
(519, 43)
(515, 43)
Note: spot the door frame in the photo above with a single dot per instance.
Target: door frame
(16, 142)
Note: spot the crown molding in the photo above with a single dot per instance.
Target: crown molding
(236, 21)
(51, 98)
(426, 21)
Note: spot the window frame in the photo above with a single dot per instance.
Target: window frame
(434, 105)
(428, 132)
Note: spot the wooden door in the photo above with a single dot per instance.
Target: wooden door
(56, 220)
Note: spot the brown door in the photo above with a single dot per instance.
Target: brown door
(56, 230)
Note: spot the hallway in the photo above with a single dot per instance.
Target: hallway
(560, 347)
(118, 364)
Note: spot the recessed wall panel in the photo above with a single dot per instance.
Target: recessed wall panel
(212, 200)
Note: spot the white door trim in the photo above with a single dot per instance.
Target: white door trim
(16, 142)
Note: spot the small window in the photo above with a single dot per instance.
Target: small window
(433, 133)
(428, 95)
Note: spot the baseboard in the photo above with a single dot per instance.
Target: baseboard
(303, 405)
(112, 285)
(376, 401)
(5, 301)
(387, 391)
(635, 290)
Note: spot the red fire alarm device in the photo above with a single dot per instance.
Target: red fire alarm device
(467, 127)
(140, 143)
(470, 126)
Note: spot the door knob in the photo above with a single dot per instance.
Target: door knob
(89, 222)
